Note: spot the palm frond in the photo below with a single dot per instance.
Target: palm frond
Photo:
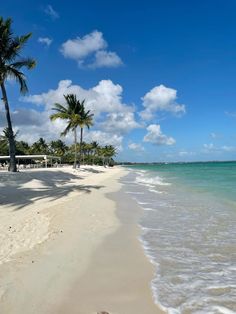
(58, 107)
(24, 38)
(67, 129)
(18, 76)
(59, 115)
(27, 62)
(19, 42)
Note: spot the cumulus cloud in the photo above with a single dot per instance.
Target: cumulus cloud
(106, 59)
(51, 12)
(161, 99)
(136, 147)
(45, 41)
(33, 124)
(122, 122)
(104, 138)
(155, 136)
(104, 97)
(90, 51)
(24, 117)
(80, 48)
(113, 117)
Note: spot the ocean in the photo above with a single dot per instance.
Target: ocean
(189, 233)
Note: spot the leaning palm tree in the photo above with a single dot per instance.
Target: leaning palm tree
(10, 67)
(74, 113)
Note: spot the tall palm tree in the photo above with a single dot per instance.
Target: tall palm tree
(75, 115)
(10, 67)
(86, 119)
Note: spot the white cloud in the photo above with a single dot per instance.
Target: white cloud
(136, 147)
(51, 12)
(113, 117)
(211, 148)
(161, 98)
(104, 97)
(104, 138)
(156, 136)
(33, 124)
(45, 40)
(122, 122)
(80, 48)
(106, 59)
(91, 46)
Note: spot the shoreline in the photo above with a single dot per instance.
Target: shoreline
(120, 270)
(83, 226)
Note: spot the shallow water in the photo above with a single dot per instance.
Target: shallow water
(188, 232)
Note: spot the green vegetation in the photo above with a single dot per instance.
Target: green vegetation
(91, 153)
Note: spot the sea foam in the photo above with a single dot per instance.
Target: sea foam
(151, 180)
(189, 238)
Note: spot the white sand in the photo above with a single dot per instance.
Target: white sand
(26, 197)
(52, 223)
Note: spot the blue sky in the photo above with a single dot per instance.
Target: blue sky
(160, 76)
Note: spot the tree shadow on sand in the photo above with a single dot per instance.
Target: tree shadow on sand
(92, 170)
(19, 189)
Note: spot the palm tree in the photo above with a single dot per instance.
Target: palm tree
(10, 67)
(40, 147)
(75, 115)
(108, 152)
(86, 119)
(58, 148)
(22, 148)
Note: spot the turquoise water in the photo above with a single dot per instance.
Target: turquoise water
(218, 178)
(188, 232)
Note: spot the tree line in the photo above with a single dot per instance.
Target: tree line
(73, 112)
(91, 153)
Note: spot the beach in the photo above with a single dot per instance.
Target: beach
(69, 244)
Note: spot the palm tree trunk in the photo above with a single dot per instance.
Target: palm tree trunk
(80, 146)
(75, 160)
(12, 145)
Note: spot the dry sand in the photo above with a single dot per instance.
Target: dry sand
(65, 249)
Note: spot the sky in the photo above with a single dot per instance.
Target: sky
(159, 76)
